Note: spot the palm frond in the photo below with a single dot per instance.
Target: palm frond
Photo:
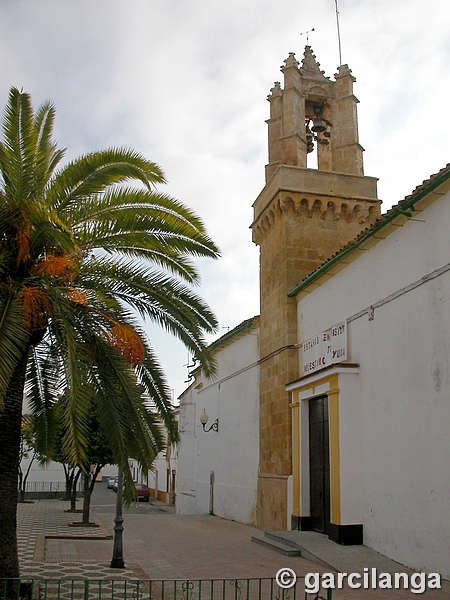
(129, 426)
(93, 173)
(159, 298)
(41, 395)
(121, 198)
(15, 148)
(158, 395)
(47, 154)
(27, 150)
(76, 396)
(139, 219)
(14, 338)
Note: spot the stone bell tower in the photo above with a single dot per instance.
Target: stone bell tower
(301, 218)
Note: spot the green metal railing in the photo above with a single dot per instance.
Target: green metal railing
(152, 589)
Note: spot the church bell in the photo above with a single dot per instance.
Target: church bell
(318, 124)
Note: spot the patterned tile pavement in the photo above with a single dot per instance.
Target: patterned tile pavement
(46, 544)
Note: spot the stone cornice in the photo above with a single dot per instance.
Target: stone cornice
(314, 194)
(306, 206)
(303, 180)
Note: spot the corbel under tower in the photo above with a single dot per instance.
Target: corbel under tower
(301, 218)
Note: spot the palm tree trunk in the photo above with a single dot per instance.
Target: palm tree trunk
(10, 428)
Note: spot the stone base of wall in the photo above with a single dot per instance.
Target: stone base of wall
(272, 502)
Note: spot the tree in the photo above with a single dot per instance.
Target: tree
(98, 456)
(71, 472)
(85, 259)
(28, 452)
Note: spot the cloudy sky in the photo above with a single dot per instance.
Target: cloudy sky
(185, 82)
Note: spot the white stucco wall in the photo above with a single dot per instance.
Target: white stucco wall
(51, 472)
(232, 453)
(394, 415)
(350, 437)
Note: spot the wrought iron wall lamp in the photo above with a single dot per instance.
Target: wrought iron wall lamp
(204, 419)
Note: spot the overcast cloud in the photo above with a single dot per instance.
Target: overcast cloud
(185, 82)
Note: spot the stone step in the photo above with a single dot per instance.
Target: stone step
(281, 538)
(285, 549)
(300, 541)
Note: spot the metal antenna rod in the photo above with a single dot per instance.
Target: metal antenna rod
(307, 35)
(338, 32)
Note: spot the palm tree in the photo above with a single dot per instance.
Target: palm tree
(84, 260)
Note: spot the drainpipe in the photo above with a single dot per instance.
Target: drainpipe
(211, 493)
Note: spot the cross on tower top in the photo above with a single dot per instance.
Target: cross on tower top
(307, 35)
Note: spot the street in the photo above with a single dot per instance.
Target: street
(162, 545)
(104, 502)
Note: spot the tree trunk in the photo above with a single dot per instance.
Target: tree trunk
(98, 468)
(88, 489)
(73, 493)
(20, 485)
(10, 429)
(23, 478)
(68, 473)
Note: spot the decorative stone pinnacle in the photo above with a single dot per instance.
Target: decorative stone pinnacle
(276, 90)
(310, 68)
(343, 70)
(290, 61)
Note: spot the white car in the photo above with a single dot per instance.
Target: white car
(111, 481)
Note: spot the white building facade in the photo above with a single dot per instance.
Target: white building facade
(374, 354)
(218, 464)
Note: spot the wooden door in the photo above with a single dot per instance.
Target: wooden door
(319, 464)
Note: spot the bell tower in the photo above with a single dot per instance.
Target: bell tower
(301, 218)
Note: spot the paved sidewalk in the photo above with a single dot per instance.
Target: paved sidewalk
(48, 541)
(161, 545)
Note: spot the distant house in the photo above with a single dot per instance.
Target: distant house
(162, 478)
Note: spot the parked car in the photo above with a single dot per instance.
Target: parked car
(143, 492)
(114, 486)
(111, 480)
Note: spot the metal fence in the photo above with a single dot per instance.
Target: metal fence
(49, 486)
(187, 589)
